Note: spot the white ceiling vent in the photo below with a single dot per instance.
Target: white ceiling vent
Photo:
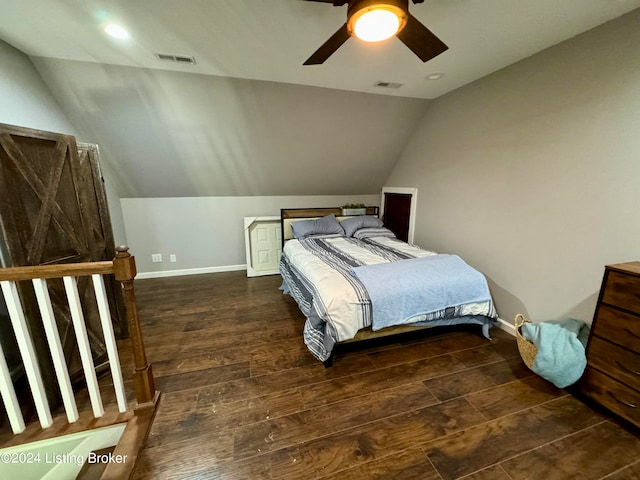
(176, 58)
(387, 84)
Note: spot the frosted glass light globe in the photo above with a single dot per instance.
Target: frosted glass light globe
(376, 25)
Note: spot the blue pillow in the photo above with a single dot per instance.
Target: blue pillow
(322, 226)
(353, 224)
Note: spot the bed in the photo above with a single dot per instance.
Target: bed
(354, 280)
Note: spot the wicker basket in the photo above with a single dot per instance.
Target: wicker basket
(527, 349)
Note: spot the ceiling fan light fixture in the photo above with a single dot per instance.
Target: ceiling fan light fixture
(376, 22)
(404, 26)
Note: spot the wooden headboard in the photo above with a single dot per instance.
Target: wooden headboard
(290, 215)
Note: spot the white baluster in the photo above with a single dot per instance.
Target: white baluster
(110, 341)
(27, 351)
(9, 397)
(71, 287)
(55, 346)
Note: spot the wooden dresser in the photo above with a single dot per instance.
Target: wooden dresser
(612, 376)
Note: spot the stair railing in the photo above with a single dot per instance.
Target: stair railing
(124, 270)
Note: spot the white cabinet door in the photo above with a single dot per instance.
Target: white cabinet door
(264, 245)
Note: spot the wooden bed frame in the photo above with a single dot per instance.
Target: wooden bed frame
(291, 215)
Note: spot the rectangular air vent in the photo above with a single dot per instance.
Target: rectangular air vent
(176, 58)
(387, 84)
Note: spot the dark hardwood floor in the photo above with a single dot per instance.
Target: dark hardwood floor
(243, 399)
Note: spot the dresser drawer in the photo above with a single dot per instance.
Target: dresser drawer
(613, 395)
(622, 291)
(618, 362)
(618, 327)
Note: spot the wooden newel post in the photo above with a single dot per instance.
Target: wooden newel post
(124, 270)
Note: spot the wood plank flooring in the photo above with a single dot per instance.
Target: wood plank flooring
(243, 399)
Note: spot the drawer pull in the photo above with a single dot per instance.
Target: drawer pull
(631, 333)
(626, 369)
(630, 405)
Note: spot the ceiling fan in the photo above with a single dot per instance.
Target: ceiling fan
(402, 24)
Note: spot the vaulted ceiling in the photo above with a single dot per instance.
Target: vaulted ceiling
(174, 134)
(248, 118)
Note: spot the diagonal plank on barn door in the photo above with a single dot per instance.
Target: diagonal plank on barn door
(99, 244)
(93, 200)
(50, 213)
(36, 246)
(36, 185)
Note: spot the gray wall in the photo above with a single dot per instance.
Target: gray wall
(533, 175)
(25, 100)
(206, 232)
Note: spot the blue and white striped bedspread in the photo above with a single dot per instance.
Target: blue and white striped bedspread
(316, 272)
(403, 290)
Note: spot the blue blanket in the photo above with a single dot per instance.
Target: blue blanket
(561, 356)
(402, 290)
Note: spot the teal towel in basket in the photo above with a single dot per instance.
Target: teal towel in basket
(561, 355)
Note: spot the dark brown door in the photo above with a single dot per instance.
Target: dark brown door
(53, 210)
(397, 209)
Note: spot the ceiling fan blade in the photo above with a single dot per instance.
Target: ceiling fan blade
(329, 47)
(421, 40)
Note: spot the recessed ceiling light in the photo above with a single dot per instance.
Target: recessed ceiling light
(116, 31)
(434, 76)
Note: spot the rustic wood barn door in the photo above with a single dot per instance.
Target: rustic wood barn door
(93, 201)
(53, 210)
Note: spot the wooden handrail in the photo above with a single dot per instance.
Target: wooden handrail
(15, 274)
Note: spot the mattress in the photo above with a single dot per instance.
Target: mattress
(318, 272)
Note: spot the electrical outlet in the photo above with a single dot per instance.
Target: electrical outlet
(156, 257)
(172, 258)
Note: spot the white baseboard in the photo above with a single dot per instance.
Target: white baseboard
(190, 271)
(506, 326)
